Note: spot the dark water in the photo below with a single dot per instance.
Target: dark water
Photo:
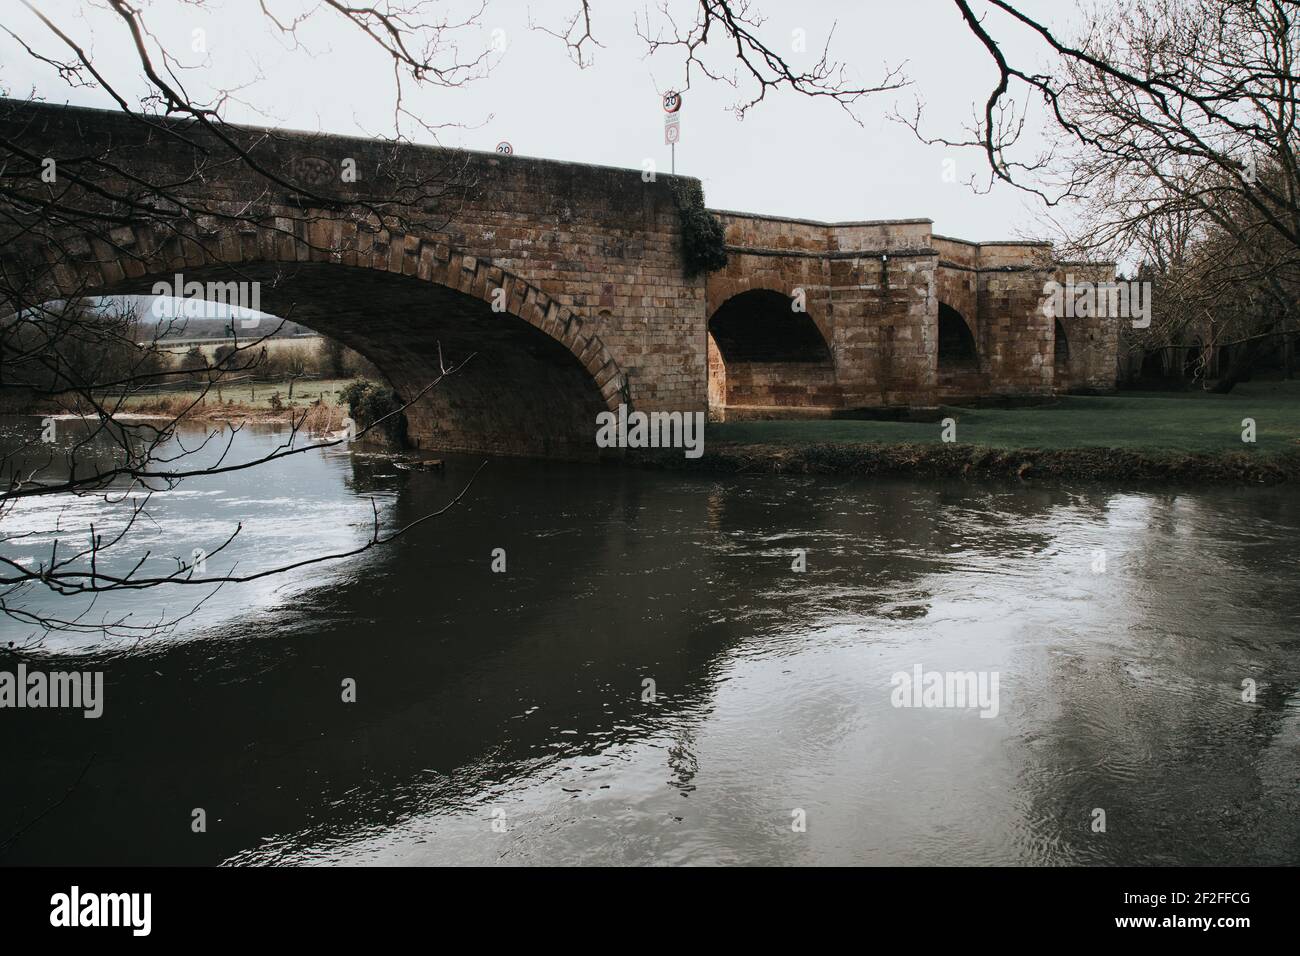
(516, 699)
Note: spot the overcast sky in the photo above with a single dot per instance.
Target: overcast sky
(789, 156)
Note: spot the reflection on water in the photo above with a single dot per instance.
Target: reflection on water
(518, 698)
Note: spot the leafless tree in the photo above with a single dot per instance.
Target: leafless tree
(723, 42)
(1174, 141)
(80, 215)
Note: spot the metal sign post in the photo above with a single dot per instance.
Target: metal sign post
(672, 123)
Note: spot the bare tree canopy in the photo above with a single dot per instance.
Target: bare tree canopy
(63, 351)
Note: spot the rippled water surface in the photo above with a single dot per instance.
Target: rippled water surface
(518, 699)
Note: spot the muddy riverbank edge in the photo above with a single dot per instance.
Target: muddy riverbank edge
(975, 462)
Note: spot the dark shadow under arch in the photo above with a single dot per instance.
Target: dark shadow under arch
(761, 326)
(523, 392)
(1060, 345)
(956, 342)
(762, 352)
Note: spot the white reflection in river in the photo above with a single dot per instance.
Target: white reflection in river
(516, 699)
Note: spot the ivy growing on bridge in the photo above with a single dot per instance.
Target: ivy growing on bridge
(703, 242)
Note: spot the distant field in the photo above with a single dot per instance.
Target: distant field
(308, 343)
(1140, 421)
(251, 395)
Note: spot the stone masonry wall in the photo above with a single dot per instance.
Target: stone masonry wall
(590, 256)
(874, 289)
(1093, 363)
(597, 308)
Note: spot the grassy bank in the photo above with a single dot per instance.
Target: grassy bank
(1145, 436)
(251, 401)
(243, 402)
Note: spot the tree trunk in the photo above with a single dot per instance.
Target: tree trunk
(1242, 365)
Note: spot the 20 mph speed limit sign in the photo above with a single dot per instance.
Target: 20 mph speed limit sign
(673, 122)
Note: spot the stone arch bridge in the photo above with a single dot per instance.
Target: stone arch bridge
(564, 281)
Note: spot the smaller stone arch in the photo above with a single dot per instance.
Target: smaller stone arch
(958, 375)
(1060, 344)
(750, 274)
(956, 342)
(761, 325)
(1061, 376)
(763, 353)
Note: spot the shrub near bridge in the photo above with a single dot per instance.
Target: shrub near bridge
(368, 402)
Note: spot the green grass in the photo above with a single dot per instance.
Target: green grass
(1142, 421)
(255, 394)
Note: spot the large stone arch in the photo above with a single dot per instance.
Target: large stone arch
(541, 373)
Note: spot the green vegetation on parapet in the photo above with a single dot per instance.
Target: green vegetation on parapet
(1196, 436)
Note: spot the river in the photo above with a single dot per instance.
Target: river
(649, 681)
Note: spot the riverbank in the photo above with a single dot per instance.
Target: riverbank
(250, 403)
(978, 462)
(320, 415)
(1131, 436)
